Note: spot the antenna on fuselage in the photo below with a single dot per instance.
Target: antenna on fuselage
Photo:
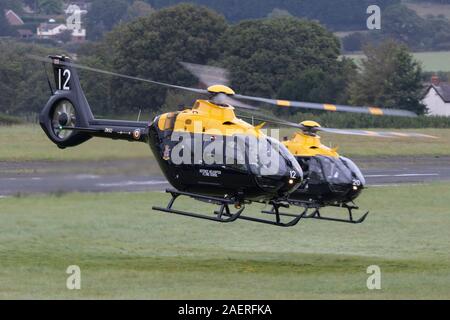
(139, 114)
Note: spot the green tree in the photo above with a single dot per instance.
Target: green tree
(23, 88)
(50, 6)
(315, 85)
(272, 57)
(152, 47)
(406, 26)
(16, 5)
(355, 41)
(390, 78)
(103, 15)
(402, 23)
(279, 13)
(335, 14)
(138, 9)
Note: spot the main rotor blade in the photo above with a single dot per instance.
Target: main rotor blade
(331, 107)
(115, 74)
(224, 99)
(380, 134)
(212, 75)
(208, 75)
(352, 132)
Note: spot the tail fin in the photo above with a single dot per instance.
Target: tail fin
(67, 107)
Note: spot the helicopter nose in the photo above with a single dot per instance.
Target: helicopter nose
(357, 184)
(293, 179)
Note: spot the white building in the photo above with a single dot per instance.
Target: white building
(50, 30)
(437, 98)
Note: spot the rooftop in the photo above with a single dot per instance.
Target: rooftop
(443, 89)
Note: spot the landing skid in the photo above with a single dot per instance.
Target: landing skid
(318, 216)
(295, 219)
(223, 215)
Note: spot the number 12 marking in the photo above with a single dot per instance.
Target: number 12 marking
(64, 76)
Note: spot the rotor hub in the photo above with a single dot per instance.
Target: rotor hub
(217, 89)
(63, 119)
(63, 116)
(310, 127)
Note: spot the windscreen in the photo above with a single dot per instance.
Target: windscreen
(271, 158)
(329, 169)
(354, 169)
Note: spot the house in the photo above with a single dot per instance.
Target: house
(17, 23)
(78, 35)
(50, 30)
(25, 33)
(437, 98)
(13, 18)
(53, 30)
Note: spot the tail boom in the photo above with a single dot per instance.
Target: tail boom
(67, 118)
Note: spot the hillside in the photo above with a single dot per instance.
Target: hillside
(425, 8)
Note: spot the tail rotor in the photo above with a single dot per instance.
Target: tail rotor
(67, 108)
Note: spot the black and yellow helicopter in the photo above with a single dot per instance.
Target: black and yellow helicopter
(330, 180)
(239, 178)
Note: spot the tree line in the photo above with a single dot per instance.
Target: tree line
(282, 57)
(334, 14)
(399, 22)
(406, 26)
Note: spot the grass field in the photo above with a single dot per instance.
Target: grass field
(125, 250)
(431, 61)
(34, 145)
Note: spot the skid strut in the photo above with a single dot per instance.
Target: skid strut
(223, 215)
(295, 219)
(316, 212)
(318, 216)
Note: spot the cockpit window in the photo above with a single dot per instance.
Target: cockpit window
(334, 170)
(261, 156)
(329, 169)
(354, 169)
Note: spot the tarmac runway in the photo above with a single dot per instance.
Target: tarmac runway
(378, 172)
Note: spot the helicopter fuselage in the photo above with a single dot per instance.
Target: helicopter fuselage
(182, 143)
(329, 179)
